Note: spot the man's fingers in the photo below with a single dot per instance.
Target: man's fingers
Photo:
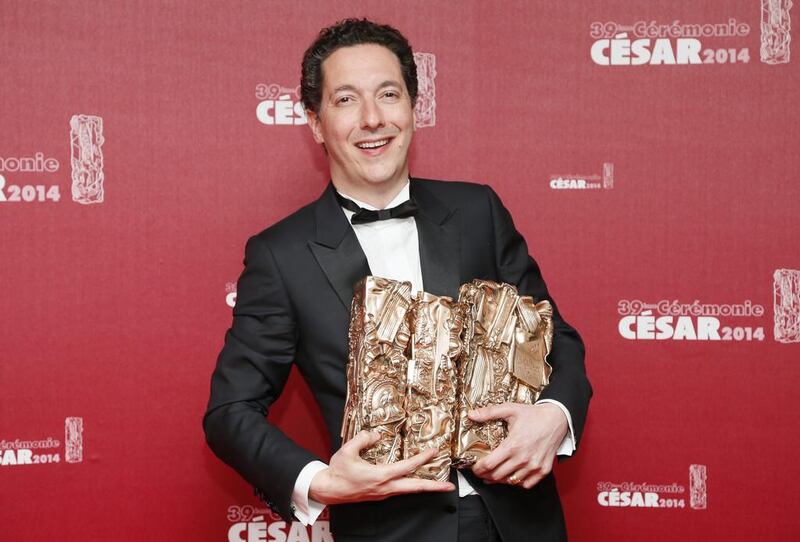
(409, 465)
(364, 439)
(534, 478)
(417, 485)
(512, 465)
(505, 470)
(491, 461)
(492, 412)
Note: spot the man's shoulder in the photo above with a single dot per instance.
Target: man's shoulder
(296, 226)
(450, 188)
(466, 196)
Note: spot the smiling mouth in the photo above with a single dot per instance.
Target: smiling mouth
(373, 144)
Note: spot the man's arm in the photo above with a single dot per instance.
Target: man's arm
(251, 372)
(568, 383)
(567, 446)
(307, 510)
(535, 432)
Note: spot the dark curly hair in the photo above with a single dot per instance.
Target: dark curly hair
(347, 33)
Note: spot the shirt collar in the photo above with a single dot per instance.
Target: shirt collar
(403, 195)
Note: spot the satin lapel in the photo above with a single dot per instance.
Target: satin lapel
(336, 248)
(439, 242)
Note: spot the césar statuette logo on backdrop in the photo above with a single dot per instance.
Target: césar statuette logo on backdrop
(675, 42)
(86, 137)
(645, 495)
(697, 320)
(43, 451)
(86, 159)
(775, 31)
(581, 181)
(786, 288)
(263, 525)
(425, 110)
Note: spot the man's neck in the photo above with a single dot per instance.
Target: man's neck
(378, 195)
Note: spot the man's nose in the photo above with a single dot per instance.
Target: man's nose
(371, 115)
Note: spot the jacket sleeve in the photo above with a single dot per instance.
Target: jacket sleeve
(250, 374)
(568, 382)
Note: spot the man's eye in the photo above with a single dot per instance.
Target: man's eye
(391, 94)
(344, 100)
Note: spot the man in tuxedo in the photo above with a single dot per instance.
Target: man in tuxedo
(358, 86)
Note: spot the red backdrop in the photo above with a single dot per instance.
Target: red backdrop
(647, 150)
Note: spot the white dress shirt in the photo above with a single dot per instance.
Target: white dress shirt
(392, 250)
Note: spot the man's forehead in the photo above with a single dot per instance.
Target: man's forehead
(353, 65)
(383, 84)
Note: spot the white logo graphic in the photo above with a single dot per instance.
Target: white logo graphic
(697, 487)
(608, 175)
(38, 163)
(775, 31)
(786, 288)
(673, 43)
(279, 105)
(621, 51)
(695, 321)
(86, 135)
(262, 525)
(73, 440)
(577, 181)
(45, 451)
(425, 110)
(230, 294)
(644, 495)
(26, 193)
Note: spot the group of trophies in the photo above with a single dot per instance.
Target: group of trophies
(419, 363)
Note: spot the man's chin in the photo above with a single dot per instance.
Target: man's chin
(382, 176)
(385, 181)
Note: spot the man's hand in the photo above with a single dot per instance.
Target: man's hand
(351, 479)
(527, 454)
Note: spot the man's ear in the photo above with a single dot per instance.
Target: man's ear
(314, 124)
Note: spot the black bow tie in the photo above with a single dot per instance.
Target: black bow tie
(364, 216)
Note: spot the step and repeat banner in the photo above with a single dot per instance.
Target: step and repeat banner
(647, 150)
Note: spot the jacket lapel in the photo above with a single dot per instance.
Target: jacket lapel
(342, 259)
(336, 247)
(439, 243)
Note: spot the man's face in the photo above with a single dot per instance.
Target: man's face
(365, 118)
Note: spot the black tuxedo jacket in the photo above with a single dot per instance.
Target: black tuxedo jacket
(293, 304)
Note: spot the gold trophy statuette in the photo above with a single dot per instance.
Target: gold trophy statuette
(431, 384)
(506, 341)
(377, 365)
